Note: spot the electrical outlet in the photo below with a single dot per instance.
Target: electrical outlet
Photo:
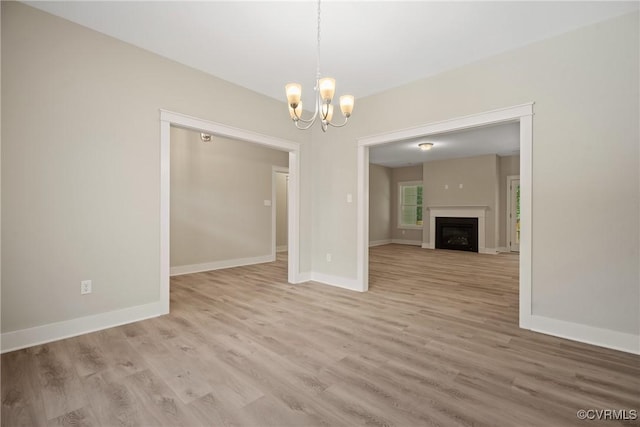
(85, 287)
(328, 257)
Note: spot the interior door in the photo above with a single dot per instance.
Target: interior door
(514, 216)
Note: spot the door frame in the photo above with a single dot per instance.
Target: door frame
(275, 170)
(169, 118)
(524, 115)
(510, 179)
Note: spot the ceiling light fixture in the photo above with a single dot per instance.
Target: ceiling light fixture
(205, 137)
(325, 89)
(426, 146)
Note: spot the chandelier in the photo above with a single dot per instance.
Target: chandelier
(325, 89)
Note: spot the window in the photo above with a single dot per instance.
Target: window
(410, 206)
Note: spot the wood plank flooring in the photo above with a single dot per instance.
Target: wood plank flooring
(434, 342)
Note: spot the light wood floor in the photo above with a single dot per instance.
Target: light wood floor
(434, 342)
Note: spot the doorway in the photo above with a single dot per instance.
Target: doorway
(521, 113)
(168, 119)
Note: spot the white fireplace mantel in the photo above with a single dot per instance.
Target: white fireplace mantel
(458, 211)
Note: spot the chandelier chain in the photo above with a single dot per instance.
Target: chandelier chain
(318, 46)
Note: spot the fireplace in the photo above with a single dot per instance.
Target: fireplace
(457, 233)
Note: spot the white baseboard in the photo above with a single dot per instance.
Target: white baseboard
(218, 265)
(407, 242)
(629, 343)
(304, 277)
(338, 281)
(427, 246)
(29, 337)
(490, 251)
(379, 242)
(327, 279)
(283, 248)
(500, 249)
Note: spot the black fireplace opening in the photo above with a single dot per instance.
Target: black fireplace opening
(459, 234)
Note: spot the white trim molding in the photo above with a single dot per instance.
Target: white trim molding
(629, 343)
(521, 113)
(500, 115)
(459, 212)
(219, 129)
(488, 251)
(337, 281)
(379, 242)
(275, 170)
(399, 224)
(526, 209)
(407, 242)
(362, 219)
(179, 270)
(304, 277)
(29, 337)
(168, 119)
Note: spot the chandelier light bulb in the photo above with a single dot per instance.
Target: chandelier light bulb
(346, 105)
(327, 89)
(294, 93)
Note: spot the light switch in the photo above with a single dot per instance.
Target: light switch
(349, 198)
(267, 202)
(459, 185)
(446, 186)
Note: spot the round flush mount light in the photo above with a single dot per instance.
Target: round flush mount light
(426, 146)
(205, 137)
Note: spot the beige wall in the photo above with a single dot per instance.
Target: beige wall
(380, 203)
(398, 175)
(478, 177)
(282, 231)
(508, 166)
(80, 164)
(218, 190)
(585, 161)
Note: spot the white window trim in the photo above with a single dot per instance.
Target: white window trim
(401, 226)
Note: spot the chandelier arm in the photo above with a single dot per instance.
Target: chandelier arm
(305, 127)
(311, 120)
(346, 119)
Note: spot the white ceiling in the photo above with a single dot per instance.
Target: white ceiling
(367, 46)
(502, 139)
